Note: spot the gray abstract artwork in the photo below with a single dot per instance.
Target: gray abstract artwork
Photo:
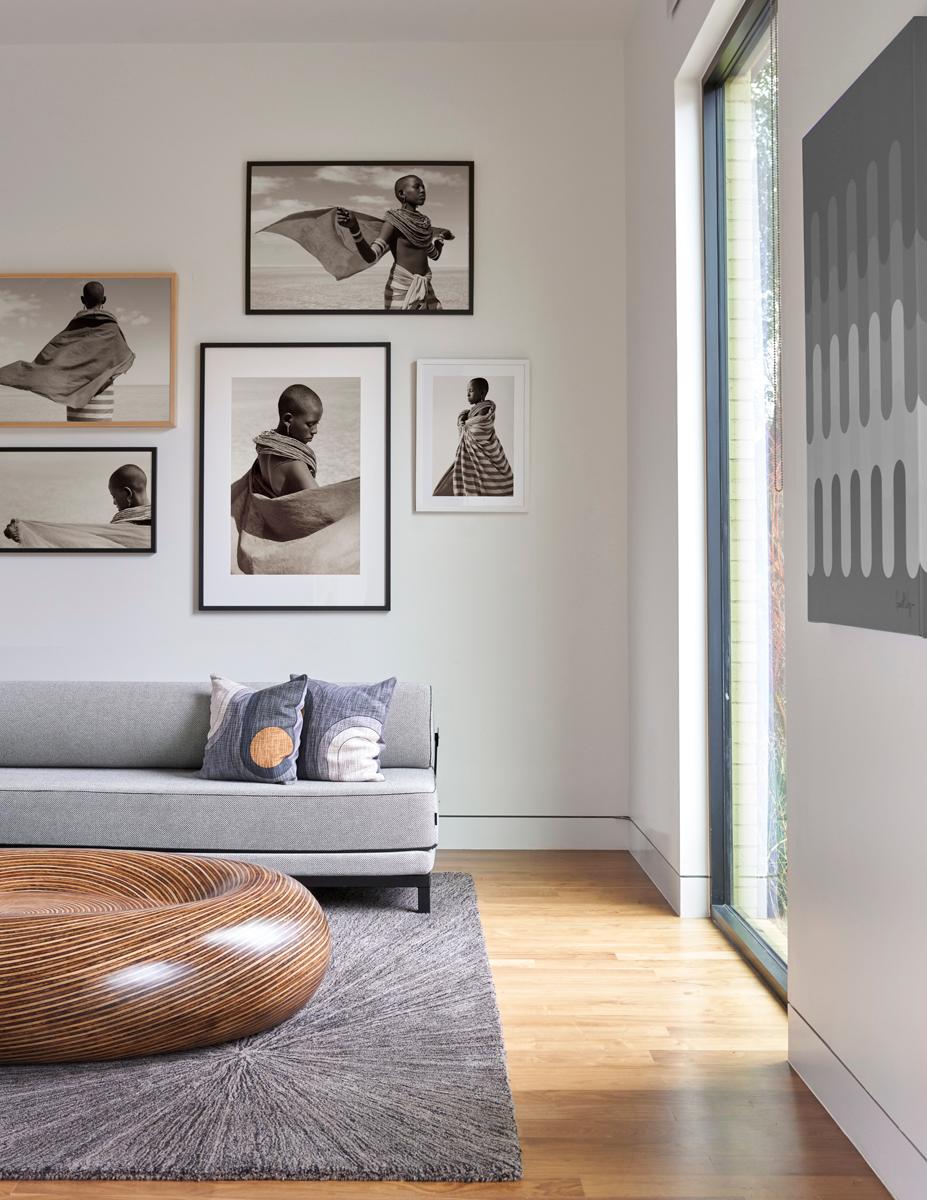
(865, 311)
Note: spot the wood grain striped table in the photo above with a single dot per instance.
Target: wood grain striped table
(111, 954)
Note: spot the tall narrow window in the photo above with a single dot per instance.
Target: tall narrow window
(746, 594)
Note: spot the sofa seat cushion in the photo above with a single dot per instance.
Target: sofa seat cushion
(176, 810)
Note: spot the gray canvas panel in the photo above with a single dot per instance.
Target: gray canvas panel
(181, 812)
(139, 725)
(865, 238)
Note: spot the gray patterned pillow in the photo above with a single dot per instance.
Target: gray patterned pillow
(343, 731)
(254, 736)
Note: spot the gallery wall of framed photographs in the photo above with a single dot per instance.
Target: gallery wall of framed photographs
(294, 467)
(149, 172)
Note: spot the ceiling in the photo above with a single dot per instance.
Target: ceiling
(34, 22)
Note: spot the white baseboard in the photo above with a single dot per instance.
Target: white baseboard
(533, 833)
(688, 895)
(900, 1166)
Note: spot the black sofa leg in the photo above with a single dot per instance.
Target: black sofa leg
(424, 898)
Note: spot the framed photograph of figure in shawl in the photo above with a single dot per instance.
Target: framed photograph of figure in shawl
(471, 435)
(294, 476)
(87, 350)
(359, 237)
(83, 499)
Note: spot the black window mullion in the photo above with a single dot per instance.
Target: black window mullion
(717, 500)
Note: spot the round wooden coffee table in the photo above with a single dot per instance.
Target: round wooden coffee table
(110, 954)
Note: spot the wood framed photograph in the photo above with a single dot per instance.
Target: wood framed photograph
(359, 237)
(88, 350)
(472, 435)
(294, 475)
(78, 500)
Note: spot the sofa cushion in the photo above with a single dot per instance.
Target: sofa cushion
(102, 724)
(254, 735)
(343, 731)
(177, 810)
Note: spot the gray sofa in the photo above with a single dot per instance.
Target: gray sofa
(114, 765)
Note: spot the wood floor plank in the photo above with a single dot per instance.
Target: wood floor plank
(646, 1059)
(559, 1188)
(697, 1187)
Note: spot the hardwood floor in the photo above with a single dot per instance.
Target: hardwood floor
(646, 1059)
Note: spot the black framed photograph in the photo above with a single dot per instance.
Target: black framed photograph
(81, 351)
(80, 499)
(294, 475)
(359, 237)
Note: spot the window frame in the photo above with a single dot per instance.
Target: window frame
(751, 24)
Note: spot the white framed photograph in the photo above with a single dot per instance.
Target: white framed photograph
(294, 476)
(472, 435)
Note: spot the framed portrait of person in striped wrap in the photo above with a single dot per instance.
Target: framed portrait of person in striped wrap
(472, 435)
(88, 350)
(359, 237)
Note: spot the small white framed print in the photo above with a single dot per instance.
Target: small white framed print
(472, 440)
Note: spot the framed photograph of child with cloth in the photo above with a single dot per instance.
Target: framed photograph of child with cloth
(78, 499)
(294, 476)
(87, 350)
(359, 237)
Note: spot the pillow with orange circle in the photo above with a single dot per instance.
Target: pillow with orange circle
(254, 735)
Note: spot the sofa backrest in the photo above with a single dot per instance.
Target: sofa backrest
(164, 725)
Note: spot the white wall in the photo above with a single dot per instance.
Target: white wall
(667, 790)
(130, 157)
(856, 703)
(857, 754)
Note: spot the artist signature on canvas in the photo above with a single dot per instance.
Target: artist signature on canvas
(902, 601)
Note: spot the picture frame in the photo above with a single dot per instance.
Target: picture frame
(472, 435)
(300, 260)
(285, 524)
(82, 484)
(124, 375)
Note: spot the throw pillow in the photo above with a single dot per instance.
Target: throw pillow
(343, 731)
(254, 735)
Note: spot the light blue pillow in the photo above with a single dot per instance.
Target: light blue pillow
(254, 736)
(343, 731)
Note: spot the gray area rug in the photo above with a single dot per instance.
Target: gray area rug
(394, 1070)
